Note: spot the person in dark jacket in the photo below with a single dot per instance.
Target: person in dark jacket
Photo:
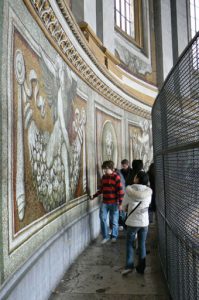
(137, 165)
(126, 169)
(152, 207)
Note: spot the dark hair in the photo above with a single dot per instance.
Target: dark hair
(142, 177)
(108, 164)
(151, 174)
(137, 165)
(124, 162)
(151, 170)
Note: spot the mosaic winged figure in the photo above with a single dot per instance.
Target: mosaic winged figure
(55, 158)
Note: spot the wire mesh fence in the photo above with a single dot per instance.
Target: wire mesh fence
(175, 118)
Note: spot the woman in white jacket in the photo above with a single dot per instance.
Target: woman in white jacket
(136, 201)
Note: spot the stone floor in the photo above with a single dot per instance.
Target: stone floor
(96, 274)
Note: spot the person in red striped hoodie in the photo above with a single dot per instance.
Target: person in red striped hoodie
(113, 194)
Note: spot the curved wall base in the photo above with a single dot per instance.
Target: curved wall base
(39, 276)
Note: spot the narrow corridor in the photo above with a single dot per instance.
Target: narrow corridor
(96, 274)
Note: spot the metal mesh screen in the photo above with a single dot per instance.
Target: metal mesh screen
(175, 118)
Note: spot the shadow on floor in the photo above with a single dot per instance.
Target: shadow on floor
(96, 274)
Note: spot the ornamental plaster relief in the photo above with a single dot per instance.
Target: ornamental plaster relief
(50, 17)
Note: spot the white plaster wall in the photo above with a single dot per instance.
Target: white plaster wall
(108, 24)
(182, 28)
(167, 54)
(78, 10)
(90, 13)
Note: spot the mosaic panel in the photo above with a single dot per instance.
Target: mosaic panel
(49, 140)
(140, 142)
(108, 136)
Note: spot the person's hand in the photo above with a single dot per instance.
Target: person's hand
(120, 207)
(125, 208)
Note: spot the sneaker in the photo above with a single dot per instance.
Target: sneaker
(113, 240)
(104, 241)
(126, 271)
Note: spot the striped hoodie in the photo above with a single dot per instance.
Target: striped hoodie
(111, 188)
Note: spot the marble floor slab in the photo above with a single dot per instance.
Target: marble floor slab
(96, 274)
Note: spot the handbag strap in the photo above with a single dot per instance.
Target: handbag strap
(133, 210)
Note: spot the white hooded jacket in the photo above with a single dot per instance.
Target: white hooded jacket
(134, 194)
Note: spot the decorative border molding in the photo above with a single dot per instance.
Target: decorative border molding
(45, 16)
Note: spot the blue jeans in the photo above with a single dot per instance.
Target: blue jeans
(122, 219)
(113, 210)
(142, 235)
